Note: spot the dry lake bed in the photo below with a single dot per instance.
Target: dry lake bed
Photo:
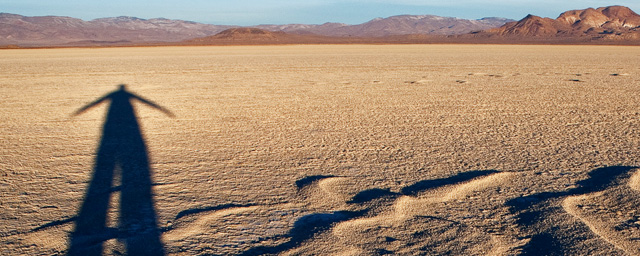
(321, 150)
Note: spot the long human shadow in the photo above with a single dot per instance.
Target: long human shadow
(538, 207)
(122, 153)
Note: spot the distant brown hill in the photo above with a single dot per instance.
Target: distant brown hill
(605, 23)
(256, 36)
(248, 36)
(395, 25)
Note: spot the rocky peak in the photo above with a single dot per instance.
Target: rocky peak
(604, 20)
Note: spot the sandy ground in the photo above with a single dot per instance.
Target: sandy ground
(332, 150)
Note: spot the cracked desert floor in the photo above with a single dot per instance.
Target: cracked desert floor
(325, 150)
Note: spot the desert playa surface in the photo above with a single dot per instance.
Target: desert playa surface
(321, 150)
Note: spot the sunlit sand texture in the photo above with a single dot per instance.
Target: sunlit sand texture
(324, 150)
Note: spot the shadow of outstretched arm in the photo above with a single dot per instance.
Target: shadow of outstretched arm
(123, 94)
(91, 105)
(153, 105)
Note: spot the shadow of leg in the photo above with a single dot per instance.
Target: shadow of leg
(90, 226)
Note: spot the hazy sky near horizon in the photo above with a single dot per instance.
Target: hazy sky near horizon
(255, 12)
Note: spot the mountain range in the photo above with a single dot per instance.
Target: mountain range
(617, 24)
(394, 25)
(57, 30)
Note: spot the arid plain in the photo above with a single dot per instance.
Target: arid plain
(334, 149)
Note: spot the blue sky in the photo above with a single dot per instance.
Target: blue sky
(255, 12)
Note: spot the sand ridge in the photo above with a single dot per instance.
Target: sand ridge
(609, 219)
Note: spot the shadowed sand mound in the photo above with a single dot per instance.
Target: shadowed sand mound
(324, 214)
(599, 215)
(611, 213)
(429, 217)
